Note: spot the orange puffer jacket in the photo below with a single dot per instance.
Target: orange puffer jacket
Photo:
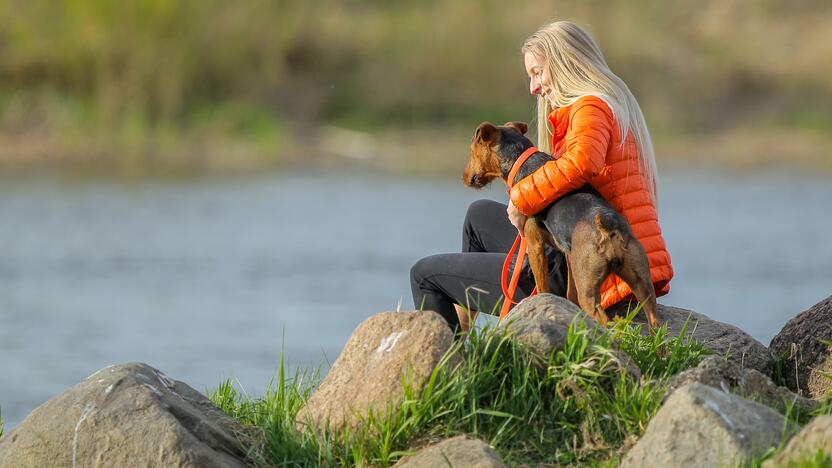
(587, 148)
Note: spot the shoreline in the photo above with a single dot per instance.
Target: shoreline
(428, 151)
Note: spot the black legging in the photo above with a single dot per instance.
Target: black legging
(472, 278)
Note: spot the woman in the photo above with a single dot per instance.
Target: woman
(592, 125)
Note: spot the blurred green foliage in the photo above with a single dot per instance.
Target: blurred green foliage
(137, 70)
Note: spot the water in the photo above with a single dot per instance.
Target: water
(207, 279)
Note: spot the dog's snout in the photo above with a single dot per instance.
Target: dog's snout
(472, 180)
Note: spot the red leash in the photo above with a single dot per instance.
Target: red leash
(520, 241)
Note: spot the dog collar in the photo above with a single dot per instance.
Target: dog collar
(518, 164)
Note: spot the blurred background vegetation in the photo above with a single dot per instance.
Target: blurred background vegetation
(140, 86)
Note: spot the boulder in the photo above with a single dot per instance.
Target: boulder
(804, 343)
(817, 435)
(458, 452)
(721, 338)
(368, 375)
(125, 415)
(717, 372)
(702, 426)
(541, 322)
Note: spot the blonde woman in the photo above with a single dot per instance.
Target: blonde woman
(592, 125)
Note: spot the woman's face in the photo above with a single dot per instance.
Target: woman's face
(540, 82)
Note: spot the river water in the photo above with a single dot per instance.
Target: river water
(209, 279)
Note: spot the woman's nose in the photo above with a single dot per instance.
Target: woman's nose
(534, 87)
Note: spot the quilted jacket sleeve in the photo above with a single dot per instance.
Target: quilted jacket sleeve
(586, 145)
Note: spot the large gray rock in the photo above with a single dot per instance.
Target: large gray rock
(457, 452)
(125, 415)
(808, 364)
(702, 426)
(723, 339)
(542, 322)
(717, 372)
(817, 435)
(368, 374)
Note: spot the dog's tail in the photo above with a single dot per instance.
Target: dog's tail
(609, 226)
(615, 239)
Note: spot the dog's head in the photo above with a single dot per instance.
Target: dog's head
(488, 146)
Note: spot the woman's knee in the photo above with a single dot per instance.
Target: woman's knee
(485, 226)
(483, 210)
(422, 269)
(417, 271)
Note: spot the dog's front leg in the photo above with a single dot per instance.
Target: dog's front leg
(571, 289)
(536, 235)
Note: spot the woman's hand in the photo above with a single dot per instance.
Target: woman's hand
(516, 218)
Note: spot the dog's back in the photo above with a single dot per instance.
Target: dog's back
(584, 204)
(564, 214)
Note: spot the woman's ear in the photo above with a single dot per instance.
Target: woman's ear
(521, 127)
(487, 133)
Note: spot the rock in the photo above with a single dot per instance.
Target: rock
(808, 363)
(368, 374)
(721, 338)
(702, 426)
(458, 452)
(817, 435)
(717, 372)
(125, 415)
(820, 378)
(542, 322)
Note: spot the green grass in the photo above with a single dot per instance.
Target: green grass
(778, 375)
(809, 460)
(570, 407)
(817, 459)
(826, 407)
(812, 460)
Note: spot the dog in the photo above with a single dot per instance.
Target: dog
(595, 238)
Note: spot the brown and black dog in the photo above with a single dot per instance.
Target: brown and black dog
(595, 238)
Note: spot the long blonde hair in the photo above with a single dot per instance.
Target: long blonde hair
(578, 69)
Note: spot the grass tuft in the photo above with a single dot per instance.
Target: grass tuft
(573, 406)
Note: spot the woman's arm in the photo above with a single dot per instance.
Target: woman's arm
(586, 143)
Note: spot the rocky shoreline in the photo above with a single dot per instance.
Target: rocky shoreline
(726, 411)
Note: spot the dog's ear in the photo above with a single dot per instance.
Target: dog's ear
(487, 133)
(521, 127)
